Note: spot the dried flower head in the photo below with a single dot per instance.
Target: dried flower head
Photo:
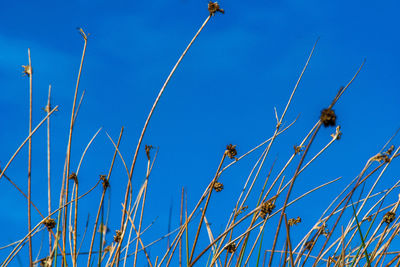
(338, 134)
(49, 223)
(46, 262)
(381, 158)
(309, 245)
(389, 217)
(47, 108)
(214, 7)
(117, 236)
(323, 230)
(231, 248)
(27, 70)
(266, 208)
(231, 151)
(73, 176)
(297, 149)
(147, 149)
(328, 117)
(294, 221)
(390, 150)
(218, 186)
(104, 181)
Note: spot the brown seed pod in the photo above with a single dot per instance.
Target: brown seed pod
(218, 187)
(297, 149)
(214, 7)
(73, 176)
(117, 236)
(231, 151)
(49, 223)
(294, 221)
(46, 262)
(147, 149)
(389, 217)
(231, 248)
(104, 181)
(328, 117)
(27, 70)
(266, 208)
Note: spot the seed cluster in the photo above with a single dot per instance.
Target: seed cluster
(328, 117)
(218, 186)
(231, 151)
(117, 236)
(49, 223)
(214, 7)
(231, 248)
(389, 217)
(266, 208)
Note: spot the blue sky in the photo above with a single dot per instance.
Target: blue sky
(243, 64)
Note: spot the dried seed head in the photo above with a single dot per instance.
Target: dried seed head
(27, 70)
(389, 217)
(309, 245)
(266, 208)
(49, 223)
(294, 221)
(46, 262)
(117, 236)
(381, 158)
(338, 134)
(328, 117)
(231, 248)
(104, 181)
(47, 108)
(297, 149)
(218, 187)
(322, 230)
(390, 150)
(73, 176)
(231, 151)
(147, 149)
(214, 7)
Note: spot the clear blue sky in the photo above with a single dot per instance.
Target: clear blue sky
(243, 64)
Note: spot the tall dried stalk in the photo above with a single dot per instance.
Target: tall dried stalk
(47, 110)
(105, 186)
(28, 71)
(68, 157)
(128, 187)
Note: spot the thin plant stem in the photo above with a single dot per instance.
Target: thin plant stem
(30, 73)
(289, 242)
(12, 253)
(48, 109)
(180, 224)
(116, 259)
(290, 190)
(205, 207)
(26, 140)
(101, 203)
(279, 123)
(68, 157)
